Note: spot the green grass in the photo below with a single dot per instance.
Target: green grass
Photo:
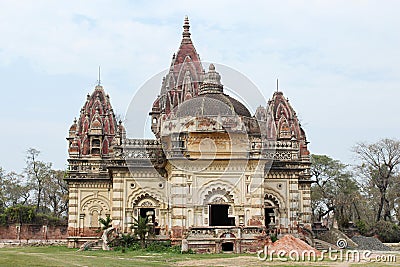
(62, 256)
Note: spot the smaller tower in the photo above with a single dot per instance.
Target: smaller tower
(92, 135)
(212, 82)
(94, 144)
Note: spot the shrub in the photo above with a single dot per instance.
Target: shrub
(386, 231)
(135, 245)
(362, 227)
(273, 238)
(124, 241)
(41, 218)
(20, 214)
(175, 249)
(3, 219)
(28, 214)
(159, 246)
(190, 251)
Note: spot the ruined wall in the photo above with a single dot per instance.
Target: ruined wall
(33, 231)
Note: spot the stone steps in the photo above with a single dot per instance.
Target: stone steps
(96, 247)
(322, 245)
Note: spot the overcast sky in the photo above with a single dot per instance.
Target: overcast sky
(338, 62)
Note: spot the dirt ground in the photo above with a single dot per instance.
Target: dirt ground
(252, 260)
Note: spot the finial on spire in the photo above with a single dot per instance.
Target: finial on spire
(277, 85)
(186, 26)
(99, 80)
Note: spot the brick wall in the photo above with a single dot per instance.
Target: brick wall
(84, 232)
(33, 231)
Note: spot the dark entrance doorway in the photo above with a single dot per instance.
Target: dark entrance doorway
(219, 215)
(227, 246)
(143, 213)
(269, 217)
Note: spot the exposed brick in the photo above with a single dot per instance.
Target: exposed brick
(33, 231)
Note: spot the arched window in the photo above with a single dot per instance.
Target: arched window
(94, 222)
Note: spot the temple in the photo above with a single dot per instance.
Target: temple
(215, 175)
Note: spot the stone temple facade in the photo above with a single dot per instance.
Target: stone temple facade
(215, 175)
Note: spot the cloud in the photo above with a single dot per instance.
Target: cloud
(337, 61)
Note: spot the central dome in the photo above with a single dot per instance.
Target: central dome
(211, 100)
(211, 104)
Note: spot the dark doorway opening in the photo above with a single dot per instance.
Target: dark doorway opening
(219, 215)
(143, 213)
(269, 217)
(227, 246)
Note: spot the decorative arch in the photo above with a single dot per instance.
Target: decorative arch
(211, 185)
(145, 200)
(112, 123)
(283, 110)
(153, 191)
(187, 65)
(170, 82)
(169, 100)
(261, 113)
(99, 203)
(85, 146)
(105, 147)
(218, 195)
(275, 197)
(187, 87)
(284, 129)
(96, 122)
(94, 207)
(106, 126)
(85, 125)
(227, 235)
(97, 106)
(272, 200)
(271, 126)
(272, 210)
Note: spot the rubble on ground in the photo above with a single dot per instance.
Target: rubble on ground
(5, 243)
(369, 243)
(333, 235)
(289, 244)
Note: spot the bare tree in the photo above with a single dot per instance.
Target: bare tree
(379, 163)
(37, 172)
(56, 193)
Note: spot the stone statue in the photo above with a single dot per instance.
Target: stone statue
(106, 238)
(185, 246)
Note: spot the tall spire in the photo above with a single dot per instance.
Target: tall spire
(99, 80)
(277, 85)
(185, 64)
(98, 86)
(186, 33)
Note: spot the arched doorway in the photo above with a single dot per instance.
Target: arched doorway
(227, 247)
(228, 242)
(146, 207)
(220, 206)
(271, 207)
